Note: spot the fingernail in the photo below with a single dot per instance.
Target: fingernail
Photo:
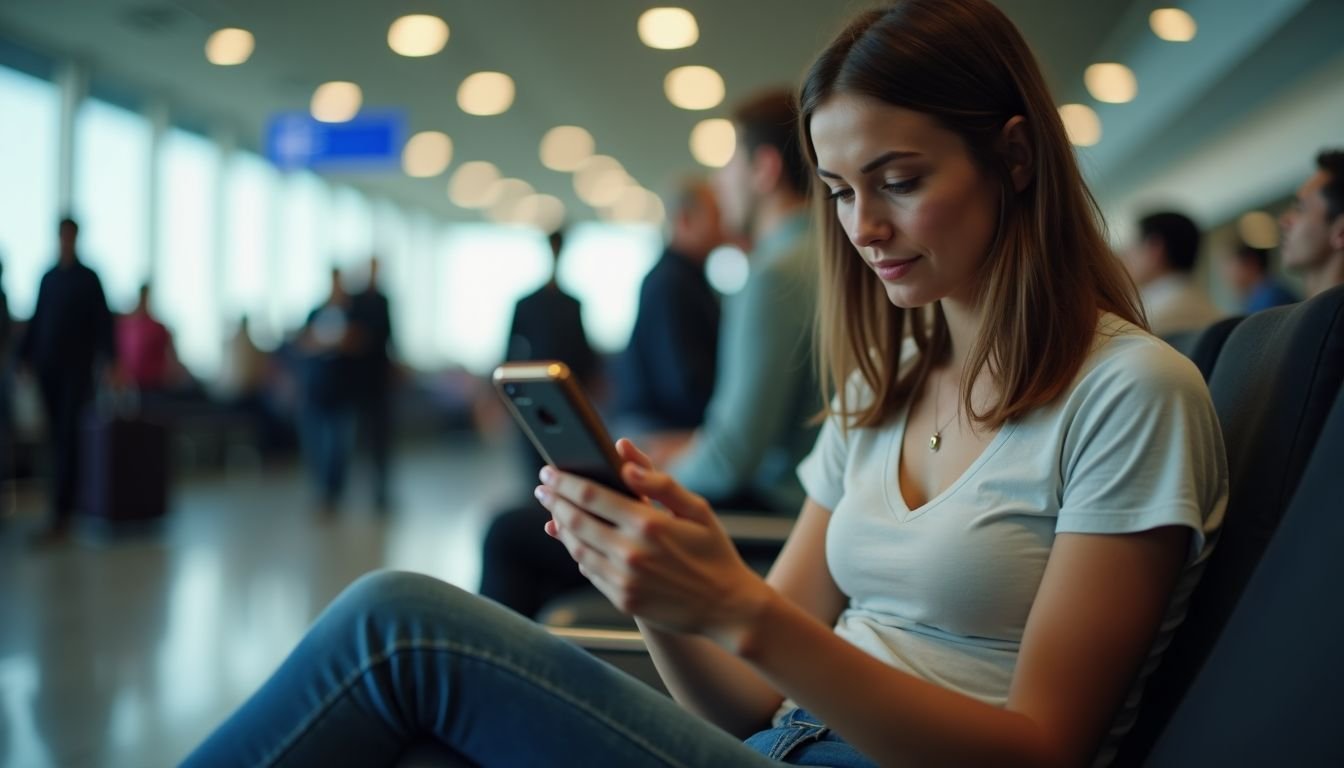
(547, 474)
(639, 471)
(541, 493)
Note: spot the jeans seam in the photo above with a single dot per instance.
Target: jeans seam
(385, 656)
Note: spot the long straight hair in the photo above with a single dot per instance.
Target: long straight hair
(1049, 271)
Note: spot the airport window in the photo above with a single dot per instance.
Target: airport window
(249, 244)
(28, 215)
(185, 275)
(111, 197)
(304, 258)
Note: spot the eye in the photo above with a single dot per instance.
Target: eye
(903, 187)
(844, 195)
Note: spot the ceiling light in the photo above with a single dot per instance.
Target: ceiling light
(1173, 25)
(565, 147)
(544, 212)
(336, 102)
(713, 142)
(1259, 230)
(427, 154)
(600, 180)
(694, 87)
(486, 93)
(417, 35)
(668, 28)
(472, 184)
(505, 195)
(637, 205)
(229, 46)
(1081, 123)
(1111, 83)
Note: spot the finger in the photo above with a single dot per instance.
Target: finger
(597, 500)
(664, 489)
(609, 589)
(628, 451)
(592, 532)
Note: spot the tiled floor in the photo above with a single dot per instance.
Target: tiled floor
(127, 652)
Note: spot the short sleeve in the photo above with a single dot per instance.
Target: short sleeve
(822, 472)
(1143, 449)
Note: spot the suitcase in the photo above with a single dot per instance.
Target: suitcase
(124, 477)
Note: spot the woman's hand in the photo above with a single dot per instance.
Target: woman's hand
(678, 571)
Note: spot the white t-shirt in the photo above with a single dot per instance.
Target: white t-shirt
(943, 592)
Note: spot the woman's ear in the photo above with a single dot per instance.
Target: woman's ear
(1015, 147)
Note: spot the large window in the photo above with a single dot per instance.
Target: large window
(28, 146)
(602, 266)
(111, 197)
(249, 235)
(351, 225)
(301, 279)
(186, 284)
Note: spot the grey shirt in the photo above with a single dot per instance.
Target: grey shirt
(756, 425)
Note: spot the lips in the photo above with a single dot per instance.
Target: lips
(893, 269)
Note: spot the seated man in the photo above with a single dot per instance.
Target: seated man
(666, 375)
(1313, 229)
(756, 425)
(1246, 270)
(1162, 264)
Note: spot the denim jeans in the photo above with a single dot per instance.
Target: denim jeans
(400, 658)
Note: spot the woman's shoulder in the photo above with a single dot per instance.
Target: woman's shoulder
(1125, 357)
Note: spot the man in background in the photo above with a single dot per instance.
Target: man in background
(68, 338)
(666, 375)
(1162, 264)
(371, 315)
(1246, 270)
(1313, 229)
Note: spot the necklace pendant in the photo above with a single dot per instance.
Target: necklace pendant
(936, 441)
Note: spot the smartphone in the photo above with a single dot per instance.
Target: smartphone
(550, 407)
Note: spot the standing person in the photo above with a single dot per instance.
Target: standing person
(666, 374)
(145, 355)
(1162, 264)
(1246, 270)
(69, 337)
(756, 427)
(371, 316)
(1313, 229)
(1005, 517)
(548, 325)
(327, 343)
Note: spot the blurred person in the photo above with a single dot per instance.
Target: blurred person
(242, 374)
(1313, 229)
(327, 414)
(1162, 264)
(371, 315)
(1246, 270)
(756, 427)
(994, 596)
(666, 374)
(548, 325)
(69, 336)
(146, 358)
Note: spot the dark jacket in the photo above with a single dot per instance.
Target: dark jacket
(548, 325)
(71, 326)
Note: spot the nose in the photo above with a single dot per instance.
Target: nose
(871, 224)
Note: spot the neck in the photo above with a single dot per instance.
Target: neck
(1329, 274)
(963, 325)
(772, 211)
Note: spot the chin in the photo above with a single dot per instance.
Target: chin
(908, 297)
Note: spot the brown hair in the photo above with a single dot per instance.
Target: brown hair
(770, 119)
(1049, 270)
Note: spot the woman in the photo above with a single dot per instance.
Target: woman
(1005, 515)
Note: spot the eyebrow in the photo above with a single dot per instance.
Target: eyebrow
(872, 165)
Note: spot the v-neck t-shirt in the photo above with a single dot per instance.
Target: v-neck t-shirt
(944, 591)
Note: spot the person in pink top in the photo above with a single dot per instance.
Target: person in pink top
(145, 349)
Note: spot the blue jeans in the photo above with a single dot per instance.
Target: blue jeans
(328, 442)
(400, 658)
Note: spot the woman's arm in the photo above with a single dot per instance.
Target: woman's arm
(1098, 608)
(721, 687)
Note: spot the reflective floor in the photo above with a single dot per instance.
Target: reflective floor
(126, 652)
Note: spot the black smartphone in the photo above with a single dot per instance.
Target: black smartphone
(552, 410)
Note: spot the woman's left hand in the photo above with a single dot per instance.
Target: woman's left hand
(678, 571)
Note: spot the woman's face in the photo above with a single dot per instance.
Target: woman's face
(911, 200)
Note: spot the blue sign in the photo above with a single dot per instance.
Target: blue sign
(371, 141)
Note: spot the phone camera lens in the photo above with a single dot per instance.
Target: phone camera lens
(510, 389)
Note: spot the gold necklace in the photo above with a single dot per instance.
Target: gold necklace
(936, 439)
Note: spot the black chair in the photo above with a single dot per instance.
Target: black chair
(1203, 347)
(1273, 383)
(1269, 692)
